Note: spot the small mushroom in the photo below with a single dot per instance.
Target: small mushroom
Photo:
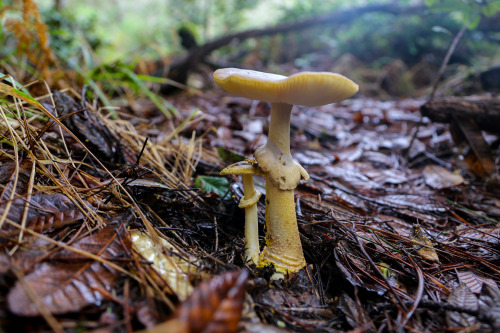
(249, 202)
(282, 173)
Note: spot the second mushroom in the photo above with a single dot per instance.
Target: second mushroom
(274, 161)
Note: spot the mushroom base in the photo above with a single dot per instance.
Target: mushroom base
(283, 246)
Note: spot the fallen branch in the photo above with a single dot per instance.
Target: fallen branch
(180, 70)
(484, 110)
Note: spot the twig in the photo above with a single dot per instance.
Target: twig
(450, 52)
(374, 266)
(420, 292)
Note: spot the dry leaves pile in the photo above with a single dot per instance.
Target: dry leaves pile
(102, 229)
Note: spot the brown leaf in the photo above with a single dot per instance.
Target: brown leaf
(462, 297)
(7, 175)
(61, 288)
(478, 157)
(111, 242)
(489, 304)
(439, 178)
(214, 306)
(46, 212)
(422, 244)
(355, 315)
(70, 286)
(89, 129)
(473, 281)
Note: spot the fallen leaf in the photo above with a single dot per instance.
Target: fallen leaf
(489, 304)
(71, 280)
(214, 306)
(439, 178)
(422, 244)
(46, 212)
(7, 175)
(473, 281)
(89, 129)
(174, 268)
(464, 298)
(61, 288)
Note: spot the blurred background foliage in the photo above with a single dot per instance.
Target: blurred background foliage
(95, 37)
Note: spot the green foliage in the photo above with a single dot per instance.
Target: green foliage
(72, 37)
(229, 156)
(465, 9)
(217, 185)
(208, 19)
(117, 76)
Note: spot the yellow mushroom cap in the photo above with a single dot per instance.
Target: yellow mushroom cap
(305, 88)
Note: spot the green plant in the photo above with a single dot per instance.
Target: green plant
(462, 10)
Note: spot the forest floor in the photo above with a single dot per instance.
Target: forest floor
(120, 224)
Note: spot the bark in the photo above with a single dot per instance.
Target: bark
(484, 110)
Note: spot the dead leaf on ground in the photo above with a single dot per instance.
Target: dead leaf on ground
(167, 262)
(214, 306)
(439, 178)
(422, 244)
(89, 129)
(62, 287)
(473, 281)
(46, 212)
(462, 297)
(7, 176)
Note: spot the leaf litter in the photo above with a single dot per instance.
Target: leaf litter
(128, 224)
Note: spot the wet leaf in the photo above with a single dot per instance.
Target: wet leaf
(472, 281)
(214, 306)
(72, 281)
(46, 212)
(61, 288)
(355, 315)
(7, 176)
(464, 298)
(89, 129)
(422, 244)
(439, 178)
(489, 304)
(229, 156)
(218, 185)
(413, 202)
(167, 262)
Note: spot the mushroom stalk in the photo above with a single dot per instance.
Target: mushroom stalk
(283, 247)
(279, 126)
(251, 220)
(282, 173)
(249, 202)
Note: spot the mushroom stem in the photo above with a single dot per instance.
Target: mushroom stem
(282, 173)
(249, 201)
(251, 221)
(279, 126)
(283, 247)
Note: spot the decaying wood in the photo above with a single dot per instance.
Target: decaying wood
(179, 71)
(485, 110)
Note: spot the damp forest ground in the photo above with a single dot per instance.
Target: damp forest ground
(116, 220)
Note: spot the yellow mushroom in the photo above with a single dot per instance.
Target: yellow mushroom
(249, 203)
(282, 173)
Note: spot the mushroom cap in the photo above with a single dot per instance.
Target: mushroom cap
(305, 88)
